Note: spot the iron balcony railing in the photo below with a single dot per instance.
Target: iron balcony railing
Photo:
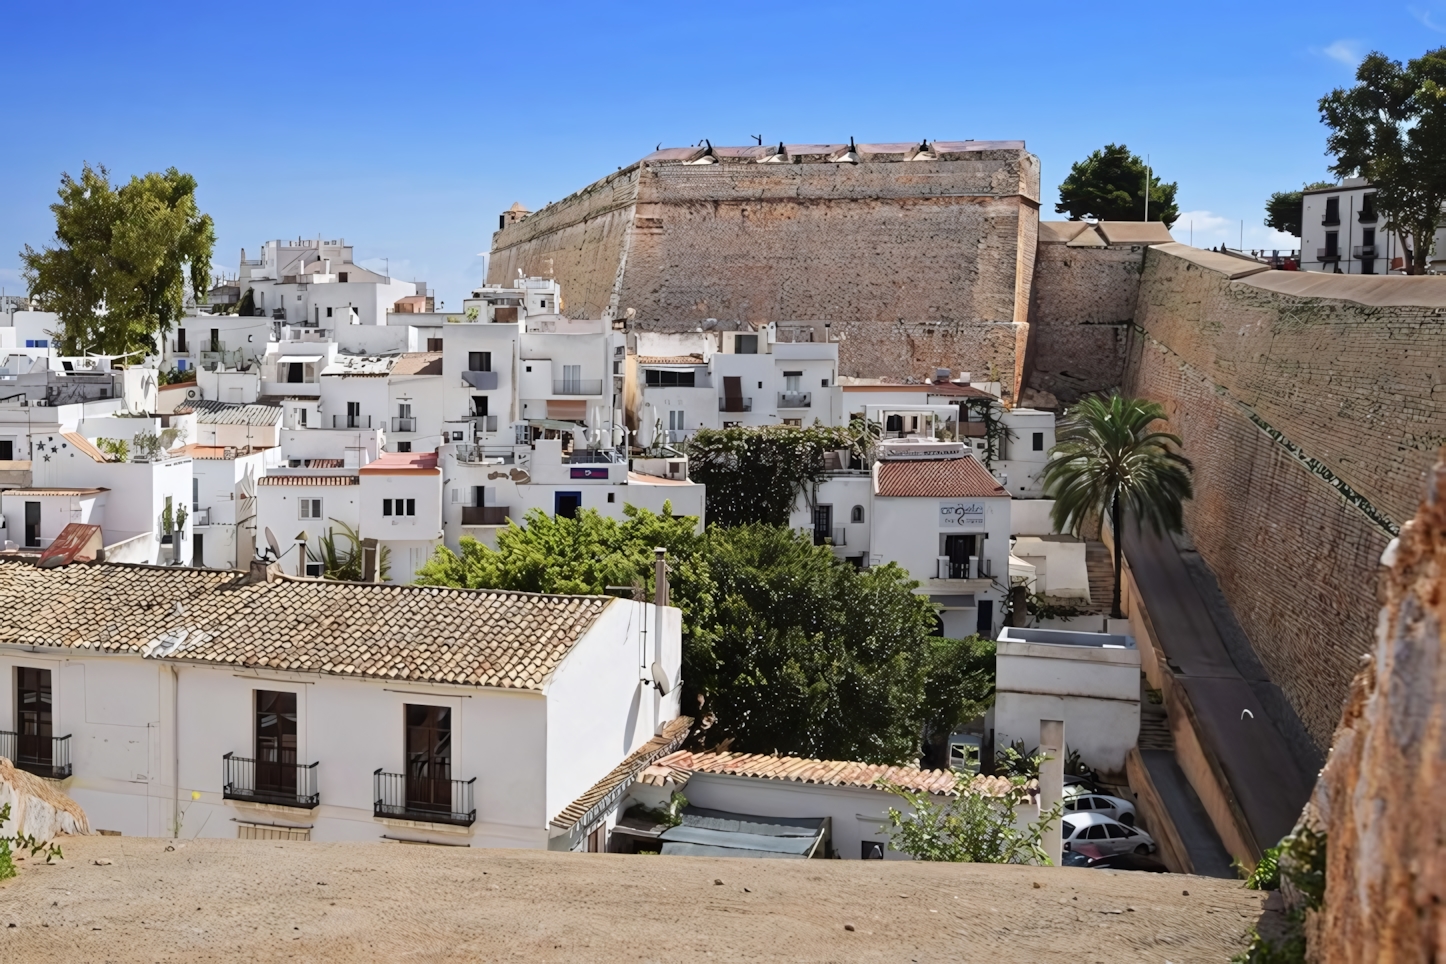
(1367, 216)
(1364, 251)
(971, 568)
(44, 756)
(283, 782)
(351, 421)
(1330, 220)
(734, 403)
(484, 423)
(1327, 254)
(482, 381)
(485, 515)
(795, 399)
(400, 424)
(578, 386)
(429, 799)
(595, 456)
(830, 537)
(200, 517)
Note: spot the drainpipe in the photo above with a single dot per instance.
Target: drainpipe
(175, 752)
(660, 600)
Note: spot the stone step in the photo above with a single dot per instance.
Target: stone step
(1155, 733)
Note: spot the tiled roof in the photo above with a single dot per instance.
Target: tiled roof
(835, 773)
(308, 480)
(367, 366)
(611, 786)
(210, 412)
(322, 463)
(937, 388)
(419, 363)
(52, 490)
(83, 445)
(670, 359)
(216, 452)
(943, 478)
(403, 633)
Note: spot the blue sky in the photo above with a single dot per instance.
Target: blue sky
(406, 128)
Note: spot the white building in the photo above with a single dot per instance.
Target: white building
(1343, 232)
(1091, 681)
(189, 703)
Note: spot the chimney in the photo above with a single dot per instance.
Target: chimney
(369, 560)
(263, 571)
(941, 375)
(660, 577)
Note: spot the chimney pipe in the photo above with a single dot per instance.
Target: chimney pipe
(660, 577)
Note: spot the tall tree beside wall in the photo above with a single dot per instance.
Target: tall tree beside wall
(1285, 210)
(1390, 128)
(1109, 185)
(758, 474)
(123, 259)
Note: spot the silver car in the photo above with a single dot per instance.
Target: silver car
(1089, 802)
(1106, 834)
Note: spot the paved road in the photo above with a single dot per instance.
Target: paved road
(1207, 853)
(1264, 768)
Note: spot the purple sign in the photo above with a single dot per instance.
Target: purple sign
(590, 473)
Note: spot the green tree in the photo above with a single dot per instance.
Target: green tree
(1285, 210)
(1109, 185)
(970, 825)
(1391, 129)
(758, 474)
(123, 259)
(785, 647)
(1108, 461)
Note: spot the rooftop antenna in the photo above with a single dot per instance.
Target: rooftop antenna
(758, 138)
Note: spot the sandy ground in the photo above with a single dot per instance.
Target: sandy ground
(259, 900)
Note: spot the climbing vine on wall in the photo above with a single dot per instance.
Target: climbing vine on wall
(757, 474)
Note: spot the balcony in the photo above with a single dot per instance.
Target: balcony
(578, 386)
(1327, 254)
(1331, 219)
(200, 517)
(401, 424)
(485, 515)
(483, 423)
(285, 784)
(351, 421)
(830, 537)
(595, 457)
(482, 381)
(971, 568)
(278, 314)
(1367, 216)
(428, 799)
(44, 756)
(795, 399)
(735, 404)
(1366, 252)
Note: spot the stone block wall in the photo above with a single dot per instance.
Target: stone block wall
(920, 264)
(1311, 423)
(1083, 305)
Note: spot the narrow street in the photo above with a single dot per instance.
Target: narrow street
(1266, 765)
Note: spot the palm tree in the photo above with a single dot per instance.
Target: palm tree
(1107, 462)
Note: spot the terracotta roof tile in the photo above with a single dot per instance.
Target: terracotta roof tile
(678, 766)
(309, 480)
(419, 633)
(944, 478)
(673, 733)
(419, 363)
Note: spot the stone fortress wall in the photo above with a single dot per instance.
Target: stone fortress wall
(918, 260)
(1312, 406)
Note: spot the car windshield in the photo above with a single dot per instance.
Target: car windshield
(1069, 827)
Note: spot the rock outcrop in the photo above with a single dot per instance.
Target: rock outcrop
(1380, 797)
(37, 808)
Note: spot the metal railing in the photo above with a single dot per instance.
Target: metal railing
(595, 457)
(1327, 254)
(795, 399)
(400, 424)
(1366, 251)
(1367, 216)
(284, 783)
(429, 799)
(44, 756)
(482, 381)
(1330, 220)
(483, 423)
(485, 515)
(351, 421)
(734, 404)
(971, 568)
(200, 517)
(578, 386)
(830, 537)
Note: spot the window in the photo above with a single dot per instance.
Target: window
(195, 493)
(745, 345)
(479, 405)
(1332, 211)
(310, 508)
(796, 422)
(571, 380)
(1115, 832)
(276, 742)
(328, 312)
(1368, 237)
(1037, 443)
(33, 718)
(1096, 832)
(479, 361)
(791, 381)
(399, 507)
(566, 504)
(295, 372)
(301, 417)
(411, 506)
(180, 340)
(856, 514)
(386, 507)
(610, 496)
(7, 450)
(404, 446)
(1333, 244)
(676, 421)
(404, 410)
(434, 344)
(314, 570)
(659, 378)
(823, 383)
(341, 276)
(429, 758)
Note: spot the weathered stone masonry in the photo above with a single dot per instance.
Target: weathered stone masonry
(1311, 423)
(919, 264)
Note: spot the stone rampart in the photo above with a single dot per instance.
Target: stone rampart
(920, 264)
(1080, 318)
(1311, 419)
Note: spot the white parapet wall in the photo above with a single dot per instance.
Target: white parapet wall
(1089, 680)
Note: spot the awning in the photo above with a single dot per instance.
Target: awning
(555, 424)
(299, 358)
(718, 833)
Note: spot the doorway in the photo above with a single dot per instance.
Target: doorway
(33, 718)
(985, 626)
(276, 743)
(566, 504)
(959, 549)
(32, 524)
(429, 758)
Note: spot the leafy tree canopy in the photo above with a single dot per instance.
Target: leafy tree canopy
(123, 259)
(785, 647)
(1109, 185)
(1285, 210)
(757, 474)
(1391, 129)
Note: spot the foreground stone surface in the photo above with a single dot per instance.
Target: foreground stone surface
(1379, 796)
(271, 900)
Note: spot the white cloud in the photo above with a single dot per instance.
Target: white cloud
(1206, 229)
(1428, 19)
(1347, 52)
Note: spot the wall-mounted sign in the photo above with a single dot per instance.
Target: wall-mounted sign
(959, 514)
(598, 472)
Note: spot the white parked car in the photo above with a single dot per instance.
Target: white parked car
(1104, 833)
(1084, 801)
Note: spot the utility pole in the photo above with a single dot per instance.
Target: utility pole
(1147, 187)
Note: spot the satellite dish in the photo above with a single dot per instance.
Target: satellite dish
(660, 678)
(271, 541)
